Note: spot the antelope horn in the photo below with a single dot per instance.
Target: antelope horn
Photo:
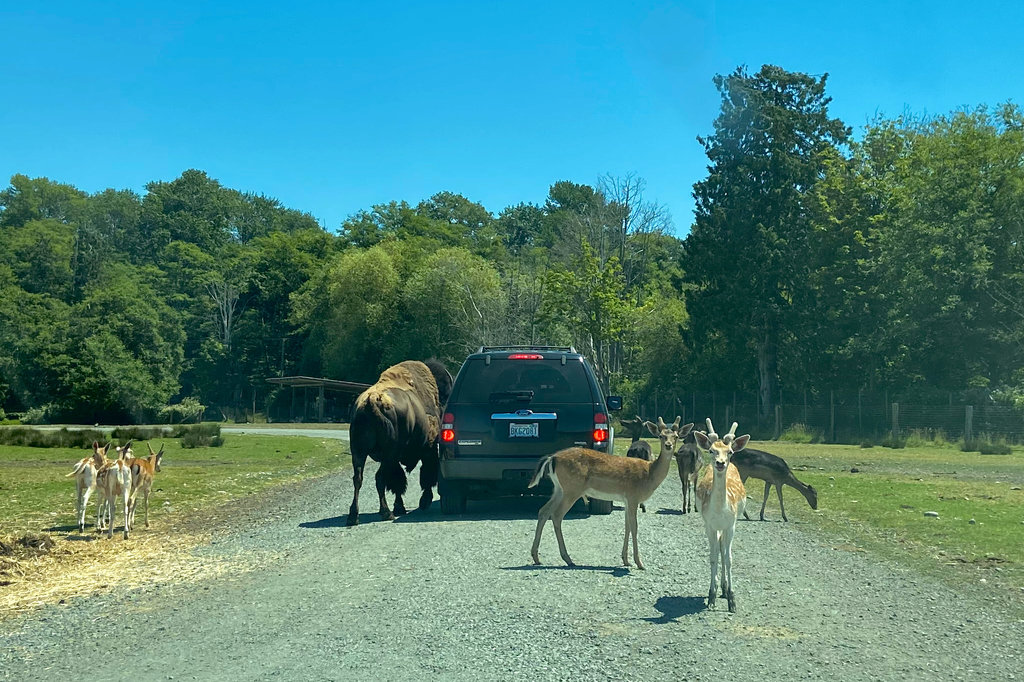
(731, 436)
(150, 448)
(711, 430)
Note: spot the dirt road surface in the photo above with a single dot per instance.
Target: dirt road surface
(437, 598)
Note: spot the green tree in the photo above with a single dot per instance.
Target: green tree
(747, 252)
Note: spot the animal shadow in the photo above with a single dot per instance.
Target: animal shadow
(339, 521)
(672, 608)
(614, 571)
(670, 512)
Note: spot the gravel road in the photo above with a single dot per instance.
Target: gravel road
(430, 597)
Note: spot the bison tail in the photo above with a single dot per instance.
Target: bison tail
(545, 466)
(381, 409)
(442, 378)
(394, 477)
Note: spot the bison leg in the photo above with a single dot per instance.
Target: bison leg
(381, 478)
(428, 478)
(358, 464)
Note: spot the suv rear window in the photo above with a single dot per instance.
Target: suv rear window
(550, 380)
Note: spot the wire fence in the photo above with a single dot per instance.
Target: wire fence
(838, 417)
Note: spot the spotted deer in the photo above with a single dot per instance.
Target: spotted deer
(575, 472)
(85, 471)
(722, 498)
(143, 471)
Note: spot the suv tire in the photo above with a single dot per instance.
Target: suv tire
(453, 501)
(601, 507)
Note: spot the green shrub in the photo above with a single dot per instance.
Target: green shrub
(126, 433)
(34, 438)
(798, 433)
(867, 443)
(896, 443)
(37, 415)
(199, 436)
(1002, 448)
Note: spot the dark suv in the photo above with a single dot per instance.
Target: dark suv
(509, 407)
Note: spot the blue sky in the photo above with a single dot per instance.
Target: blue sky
(333, 107)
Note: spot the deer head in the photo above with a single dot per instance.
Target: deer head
(670, 436)
(158, 455)
(635, 426)
(722, 448)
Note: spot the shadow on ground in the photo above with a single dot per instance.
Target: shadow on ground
(614, 571)
(673, 608)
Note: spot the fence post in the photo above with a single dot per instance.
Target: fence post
(895, 421)
(695, 406)
(657, 413)
(806, 423)
(727, 414)
(969, 423)
(714, 406)
(733, 405)
(778, 421)
(832, 420)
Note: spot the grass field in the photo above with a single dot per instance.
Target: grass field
(35, 496)
(880, 509)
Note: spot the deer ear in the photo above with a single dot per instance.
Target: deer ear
(653, 428)
(684, 430)
(740, 442)
(702, 440)
(95, 445)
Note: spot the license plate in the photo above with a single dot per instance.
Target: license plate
(523, 430)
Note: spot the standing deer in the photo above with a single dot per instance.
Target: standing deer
(114, 480)
(688, 461)
(773, 471)
(143, 471)
(85, 481)
(722, 498)
(638, 448)
(578, 471)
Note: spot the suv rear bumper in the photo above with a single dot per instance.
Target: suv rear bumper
(497, 474)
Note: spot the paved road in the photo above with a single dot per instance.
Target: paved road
(434, 598)
(336, 434)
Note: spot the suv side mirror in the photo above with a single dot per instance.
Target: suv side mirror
(614, 402)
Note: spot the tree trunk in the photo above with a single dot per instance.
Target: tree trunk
(767, 368)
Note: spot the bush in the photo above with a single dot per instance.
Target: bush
(1001, 448)
(895, 443)
(186, 410)
(867, 443)
(126, 433)
(798, 433)
(34, 438)
(38, 415)
(199, 436)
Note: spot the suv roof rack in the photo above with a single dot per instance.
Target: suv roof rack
(560, 349)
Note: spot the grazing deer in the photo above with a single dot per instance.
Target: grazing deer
(774, 472)
(688, 461)
(578, 471)
(722, 498)
(85, 481)
(143, 471)
(114, 480)
(638, 448)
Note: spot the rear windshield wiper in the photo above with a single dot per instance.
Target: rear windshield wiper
(510, 396)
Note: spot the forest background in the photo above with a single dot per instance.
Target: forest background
(818, 259)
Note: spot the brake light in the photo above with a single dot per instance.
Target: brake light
(525, 356)
(600, 435)
(600, 418)
(448, 428)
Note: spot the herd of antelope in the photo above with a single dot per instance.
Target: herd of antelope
(125, 478)
(719, 494)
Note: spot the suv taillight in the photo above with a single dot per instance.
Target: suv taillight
(448, 428)
(525, 356)
(600, 427)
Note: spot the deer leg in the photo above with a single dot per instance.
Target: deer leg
(358, 464)
(778, 489)
(145, 502)
(564, 506)
(686, 484)
(713, 552)
(124, 497)
(727, 591)
(84, 499)
(636, 547)
(767, 489)
(542, 518)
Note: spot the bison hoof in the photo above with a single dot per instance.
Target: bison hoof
(400, 510)
(425, 502)
(387, 516)
(353, 520)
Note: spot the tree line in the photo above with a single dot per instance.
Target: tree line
(816, 259)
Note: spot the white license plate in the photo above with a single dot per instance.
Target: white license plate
(523, 430)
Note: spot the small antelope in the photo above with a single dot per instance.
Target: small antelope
(578, 471)
(143, 471)
(774, 472)
(722, 498)
(85, 481)
(114, 480)
(638, 448)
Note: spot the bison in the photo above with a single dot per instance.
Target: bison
(396, 422)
